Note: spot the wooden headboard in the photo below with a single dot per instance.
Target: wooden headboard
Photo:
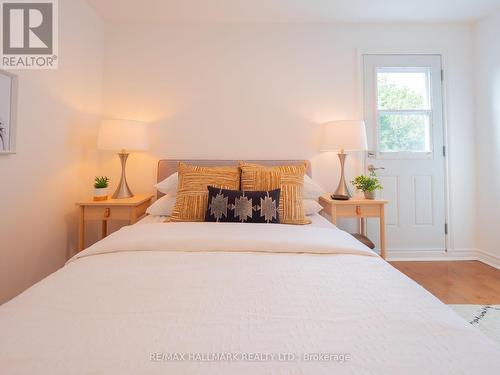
(167, 167)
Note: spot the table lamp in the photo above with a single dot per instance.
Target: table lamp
(343, 136)
(123, 136)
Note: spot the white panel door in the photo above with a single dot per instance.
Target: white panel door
(403, 111)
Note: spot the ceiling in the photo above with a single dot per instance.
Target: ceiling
(294, 10)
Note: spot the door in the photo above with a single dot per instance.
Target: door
(403, 111)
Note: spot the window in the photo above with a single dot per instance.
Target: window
(403, 110)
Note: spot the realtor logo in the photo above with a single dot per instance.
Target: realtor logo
(29, 34)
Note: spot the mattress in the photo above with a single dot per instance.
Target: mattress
(231, 298)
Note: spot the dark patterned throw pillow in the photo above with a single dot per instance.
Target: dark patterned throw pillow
(243, 206)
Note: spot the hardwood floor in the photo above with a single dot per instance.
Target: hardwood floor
(457, 282)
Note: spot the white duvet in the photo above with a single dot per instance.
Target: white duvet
(200, 298)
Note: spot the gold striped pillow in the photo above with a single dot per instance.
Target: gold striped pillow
(192, 192)
(288, 178)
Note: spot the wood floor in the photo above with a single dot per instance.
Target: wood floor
(457, 282)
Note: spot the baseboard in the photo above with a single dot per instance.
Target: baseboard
(441, 255)
(488, 258)
(431, 254)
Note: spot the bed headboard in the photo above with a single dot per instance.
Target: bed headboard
(166, 167)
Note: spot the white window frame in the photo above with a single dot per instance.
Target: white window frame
(428, 112)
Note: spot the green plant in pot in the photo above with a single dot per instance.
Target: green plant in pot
(101, 184)
(367, 184)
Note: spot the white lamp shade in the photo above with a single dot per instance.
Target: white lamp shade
(344, 135)
(125, 135)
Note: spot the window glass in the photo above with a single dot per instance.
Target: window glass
(403, 106)
(402, 90)
(404, 132)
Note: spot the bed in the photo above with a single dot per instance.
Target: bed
(233, 298)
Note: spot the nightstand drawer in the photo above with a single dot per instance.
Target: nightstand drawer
(358, 210)
(107, 213)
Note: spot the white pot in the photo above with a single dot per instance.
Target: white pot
(369, 194)
(101, 194)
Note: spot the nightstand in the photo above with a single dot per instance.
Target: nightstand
(127, 209)
(357, 208)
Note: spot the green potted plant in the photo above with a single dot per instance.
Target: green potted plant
(101, 188)
(367, 184)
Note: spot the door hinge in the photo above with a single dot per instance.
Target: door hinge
(442, 74)
(445, 228)
(444, 150)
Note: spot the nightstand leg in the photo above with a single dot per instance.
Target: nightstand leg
(133, 217)
(333, 214)
(81, 228)
(382, 232)
(362, 226)
(104, 228)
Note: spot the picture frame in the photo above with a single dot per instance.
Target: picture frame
(8, 112)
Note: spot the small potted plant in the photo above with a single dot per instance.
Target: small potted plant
(367, 184)
(101, 188)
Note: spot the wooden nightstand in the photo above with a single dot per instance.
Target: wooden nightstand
(128, 209)
(357, 208)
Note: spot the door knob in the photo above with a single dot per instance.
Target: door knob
(372, 168)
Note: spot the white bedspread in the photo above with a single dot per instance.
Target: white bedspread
(153, 291)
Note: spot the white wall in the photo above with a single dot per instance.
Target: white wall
(57, 122)
(487, 56)
(235, 91)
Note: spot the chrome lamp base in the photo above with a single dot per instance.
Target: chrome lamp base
(123, 191)
(342, 192)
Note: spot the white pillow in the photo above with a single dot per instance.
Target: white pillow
(311, 189)
(165, 205)
(311, 207)
(169, 185)
(162, 207)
